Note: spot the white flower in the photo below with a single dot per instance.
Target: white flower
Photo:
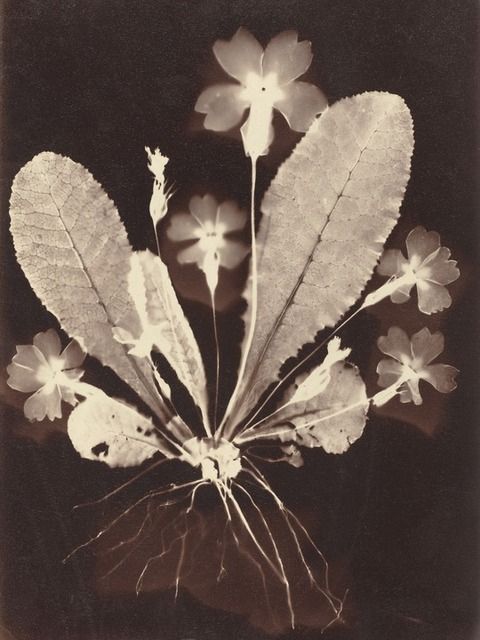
(42, 369)
(208, 225)
(267, 80)
(409, 363)
(428, 267)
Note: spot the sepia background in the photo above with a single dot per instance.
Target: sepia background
(397, 515)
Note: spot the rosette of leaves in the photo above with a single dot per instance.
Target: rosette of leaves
(325, 219)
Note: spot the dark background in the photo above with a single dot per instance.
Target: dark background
(97, 80)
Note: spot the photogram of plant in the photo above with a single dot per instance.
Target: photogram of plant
(315, 243)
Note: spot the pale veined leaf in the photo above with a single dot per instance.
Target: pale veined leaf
(105, 429)
(74, 250)
(168, 328)
(326, 216)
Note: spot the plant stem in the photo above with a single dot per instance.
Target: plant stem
(217, 356)
(157, 242)
(254, 302)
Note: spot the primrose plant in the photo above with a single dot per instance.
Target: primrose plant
(322, 225)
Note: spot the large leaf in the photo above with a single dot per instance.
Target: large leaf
(326, 216)
(332, 419)
(169, 327)
(105, 429)
(74, 250)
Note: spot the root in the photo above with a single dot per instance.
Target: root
(278, 571)
(181, 557)
(253, 535)
(151, 494)
(288, 516)
(179, 538)
(183, 537)
(278, 557)
(122, 486)
(135, 537)
(229, 526)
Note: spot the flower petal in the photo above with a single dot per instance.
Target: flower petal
(427, 346)
(240, 56)
(204, 208)
(223, 105)
(432, 297)
(49, 343)
(392, 263)
(183, 227)
(68, 395)
(30, 357)
(45, 402)
(73, 355)
(421, 243)
(73, 374)
(389, 371)
(22, 378)
(286, 57)
(232, 254)
(441, 376)
(191, 254)
(438, 268)
(395, 344)
(231, 216)
(301, 103)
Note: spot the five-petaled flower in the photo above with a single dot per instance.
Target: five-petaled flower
(267, 80)
(428, 267)
(409, 362)
(208, 225)
(48, 372)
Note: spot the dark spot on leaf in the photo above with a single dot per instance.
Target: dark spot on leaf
(100, 449)
(148, 433)
(139, 430)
